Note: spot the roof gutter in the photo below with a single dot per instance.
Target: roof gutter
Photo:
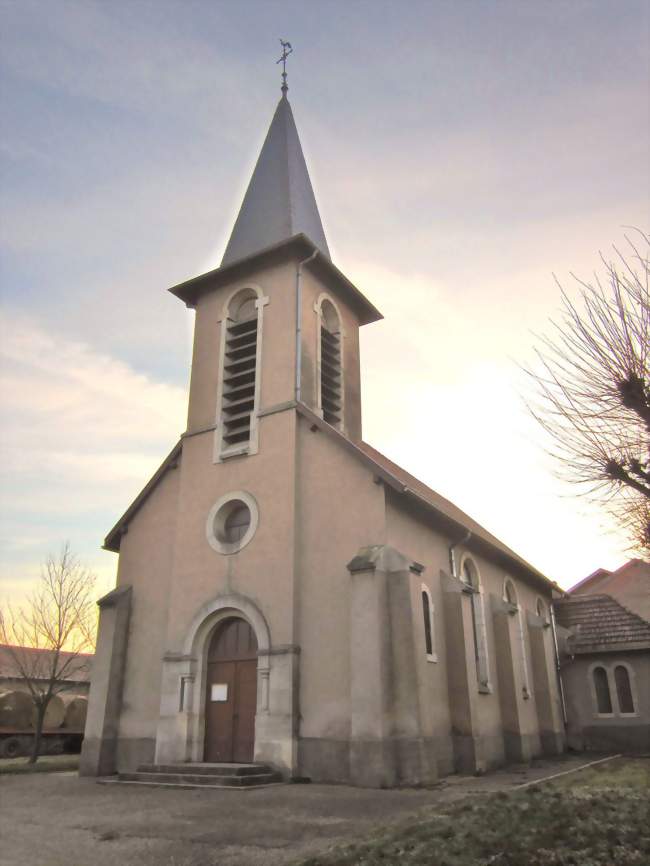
(558, 668)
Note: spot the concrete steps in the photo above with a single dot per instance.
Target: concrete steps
(241, 776)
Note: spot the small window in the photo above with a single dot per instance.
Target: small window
(601, 685)
(540, 608)
(479, 632)
(427, 615)
(623, 689)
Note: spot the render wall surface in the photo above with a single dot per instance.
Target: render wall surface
(277, 283)
(410, 534)
(591, 731)
(263, 570)
(416, 539)
(339, 509)
(312, 290)
(145, 564)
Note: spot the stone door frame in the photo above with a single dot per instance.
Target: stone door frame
(181, 727)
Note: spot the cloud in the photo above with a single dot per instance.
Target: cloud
(81, 434)
(442, 399)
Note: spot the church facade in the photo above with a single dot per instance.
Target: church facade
(285, 593)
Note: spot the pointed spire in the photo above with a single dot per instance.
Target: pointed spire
(279, 201)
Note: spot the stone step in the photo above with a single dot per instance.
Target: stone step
(203, 769)
(183, 787)
(201, 779)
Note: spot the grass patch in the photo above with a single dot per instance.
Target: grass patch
(621, 773)
(45, 764)
(598, 817)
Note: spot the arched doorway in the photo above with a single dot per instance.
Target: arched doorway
(231, 697)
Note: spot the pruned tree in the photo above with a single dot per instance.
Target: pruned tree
(593, 388)
(59, 621)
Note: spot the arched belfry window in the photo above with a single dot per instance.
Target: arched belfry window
(330, 362)
(239, 374)
(470, 577)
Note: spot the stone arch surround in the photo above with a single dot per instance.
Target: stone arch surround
(181, 728)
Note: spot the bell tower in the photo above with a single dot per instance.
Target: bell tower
(277, 323)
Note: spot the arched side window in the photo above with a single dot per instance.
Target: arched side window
(239, 374)
(427, 617)
(330, 390)
(624, 690)
(510, 596)
(601, 688)
(509, 592)
(470, 576)
(540, 610)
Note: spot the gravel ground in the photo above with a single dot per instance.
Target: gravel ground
(63, 820)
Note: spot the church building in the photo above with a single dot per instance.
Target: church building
(286, 595)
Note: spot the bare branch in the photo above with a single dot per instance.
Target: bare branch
(49, 636)
(593, 386)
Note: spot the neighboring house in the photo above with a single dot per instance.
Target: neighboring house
(65, 716)
(285, 593)
(605, 669)
(629, 584)
(37, 661)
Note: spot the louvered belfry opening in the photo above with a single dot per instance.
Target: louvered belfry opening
(239, 372)
(330, 366)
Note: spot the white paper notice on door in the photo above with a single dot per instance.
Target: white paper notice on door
(219, 692)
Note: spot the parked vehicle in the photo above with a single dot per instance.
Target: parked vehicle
(63, 728)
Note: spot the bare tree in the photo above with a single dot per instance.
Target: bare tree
(593, 388)
(59, 619)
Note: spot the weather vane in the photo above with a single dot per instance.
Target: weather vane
(286, 51)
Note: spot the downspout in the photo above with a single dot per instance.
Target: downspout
(298, 387)
(453, 546)
(556, 650)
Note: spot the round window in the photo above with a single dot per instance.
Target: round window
(232, 522)
(236, 524)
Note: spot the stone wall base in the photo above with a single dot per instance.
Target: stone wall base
(553, 742)
(97, 757)
(105, 757)
(133, 751)
(629, 739)
(399, 761)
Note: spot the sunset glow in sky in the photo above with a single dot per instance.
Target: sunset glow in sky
(461, 153)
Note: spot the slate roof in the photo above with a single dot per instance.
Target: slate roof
(279, 202)
(80, 671)
(298, 245)
(600, 624)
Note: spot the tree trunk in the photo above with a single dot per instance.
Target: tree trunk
(41, 707)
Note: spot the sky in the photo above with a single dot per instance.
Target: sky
(462, 153)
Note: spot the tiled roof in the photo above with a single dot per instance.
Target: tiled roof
(600, 579)
(37, 662)
(599, 622)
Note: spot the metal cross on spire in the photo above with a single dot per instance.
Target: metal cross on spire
(286, 51)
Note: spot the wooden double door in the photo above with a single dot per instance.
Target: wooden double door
(231, 697)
